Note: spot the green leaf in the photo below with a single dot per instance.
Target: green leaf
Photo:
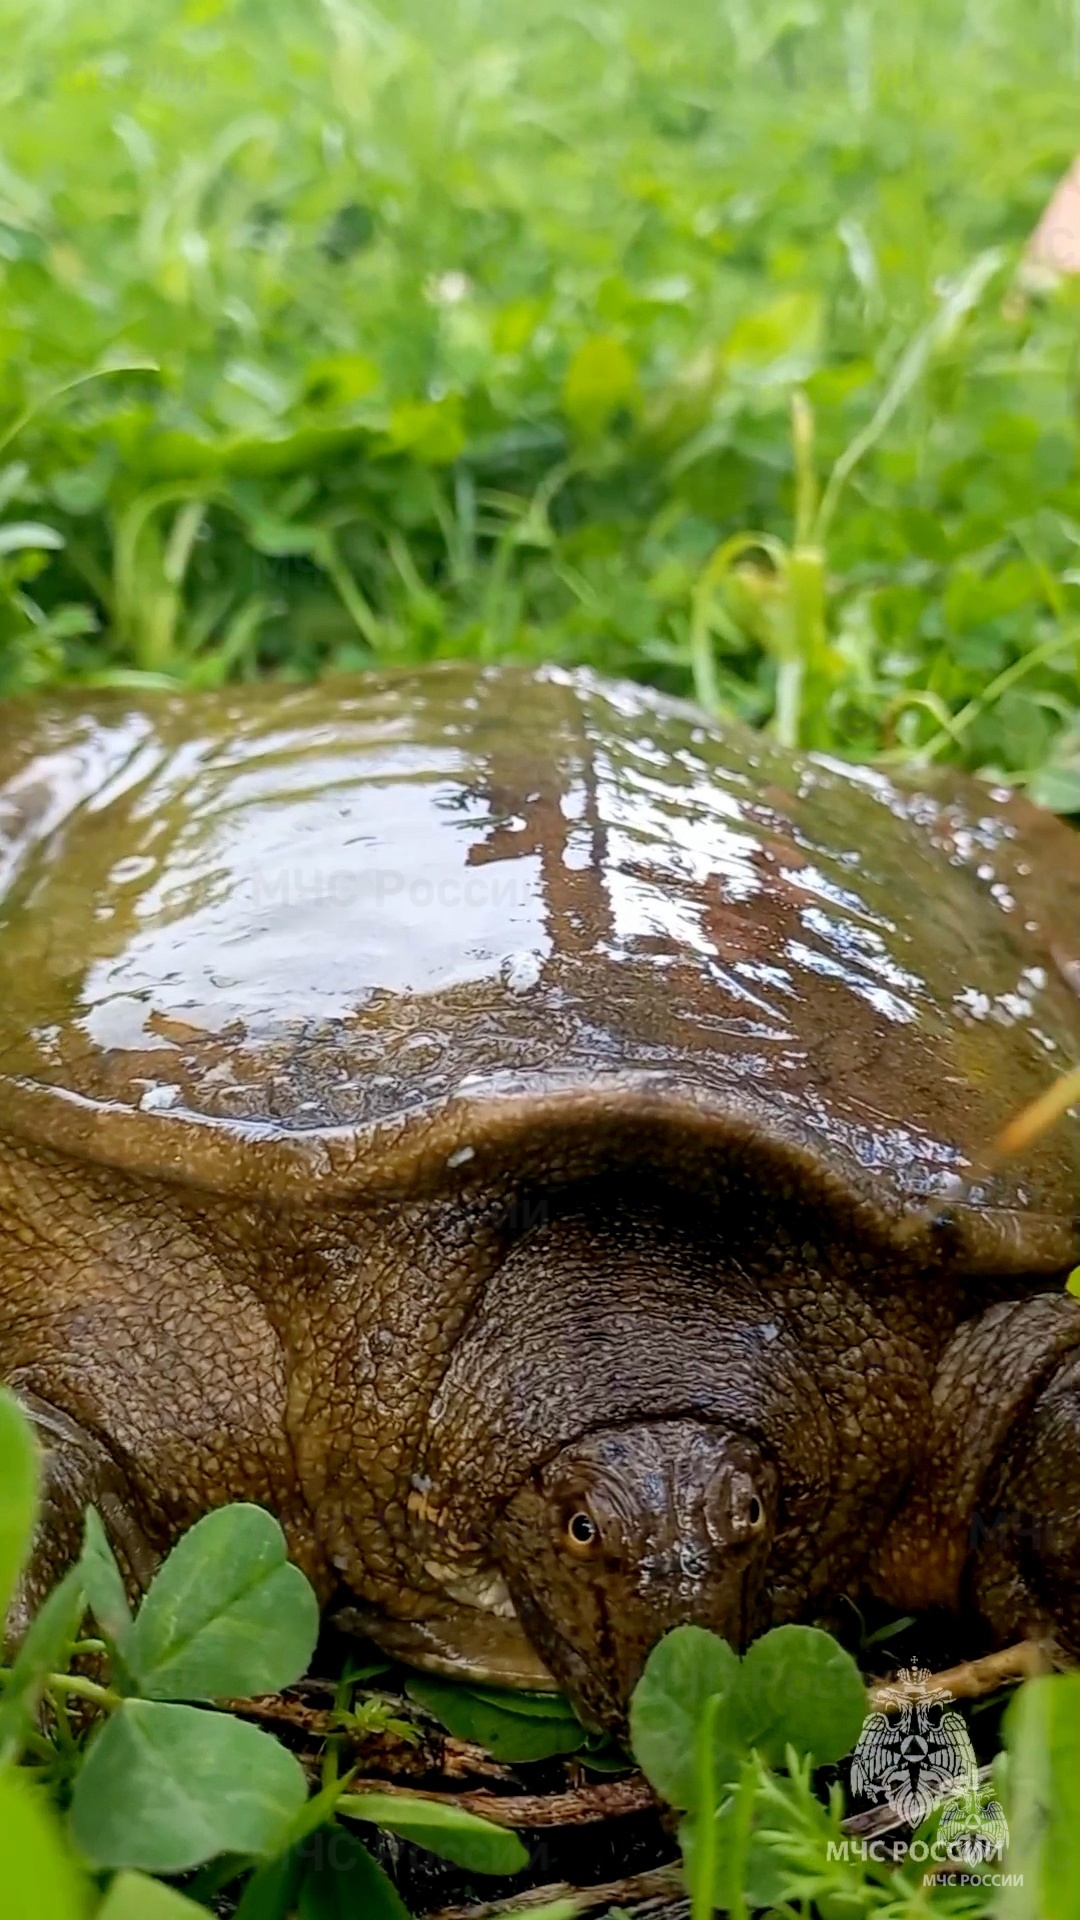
(227, 1613)
(1072, 1284)
(43, 1651)
(974, 597)
(557, 1910)
(345, 1883)
(271, 1892)
(798, 1687)
(339, 379)
(104, 1582)
(687, 1668)
(1042, 1740)
(503, 1732)
(607, 1758)
(432, 431)
(166, 1787)
(1057, 786)
(19, 1471)
(133, 1896)
(16, 536)
(601, 381)
(783, 337)
(38, 1878)
(528, 1706)
(443, 1829)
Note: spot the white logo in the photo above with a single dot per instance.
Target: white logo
(917, 1756)
(974, 1829)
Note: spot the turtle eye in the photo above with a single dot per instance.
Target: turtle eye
(582, 1533)
(755, 1514)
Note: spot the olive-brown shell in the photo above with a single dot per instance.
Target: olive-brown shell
(405, 928)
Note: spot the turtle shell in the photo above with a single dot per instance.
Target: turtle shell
(400, 931)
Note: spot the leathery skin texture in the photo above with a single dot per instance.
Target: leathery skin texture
(531, 1138)
(388, 1379)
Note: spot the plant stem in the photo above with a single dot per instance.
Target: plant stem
(789, 684)
(741, 1824)
(806, 487)
(77, 1686)
(703, 1889)
(356, 606)
(702, 664)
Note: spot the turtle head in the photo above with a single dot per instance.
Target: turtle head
(630, 1532)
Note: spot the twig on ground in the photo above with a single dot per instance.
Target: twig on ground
(583, 1806)
(657, 1893)
(973, 1678)
(878, 1821)
(968, 1681)
(280, 1708)
(436, 1751)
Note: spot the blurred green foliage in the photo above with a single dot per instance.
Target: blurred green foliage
(478, 327)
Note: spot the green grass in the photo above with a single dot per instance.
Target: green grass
(478, 326)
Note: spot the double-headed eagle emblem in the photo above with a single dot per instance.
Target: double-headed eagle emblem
(917, 1756)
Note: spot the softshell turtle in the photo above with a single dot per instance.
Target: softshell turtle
(532, 1138)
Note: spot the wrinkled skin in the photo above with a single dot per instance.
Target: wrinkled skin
(628, 1534)
(565, 1208)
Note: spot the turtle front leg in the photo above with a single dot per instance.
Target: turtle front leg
(1024, 1573)
(991, 1523)
(78, 1471)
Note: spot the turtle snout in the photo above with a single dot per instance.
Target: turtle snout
(629, 1534)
